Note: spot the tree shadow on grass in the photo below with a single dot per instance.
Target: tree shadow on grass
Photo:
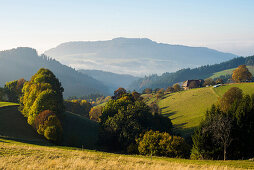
(35, 142)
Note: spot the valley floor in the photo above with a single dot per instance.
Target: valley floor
(16, 155)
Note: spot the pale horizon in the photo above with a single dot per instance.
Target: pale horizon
(221, 25)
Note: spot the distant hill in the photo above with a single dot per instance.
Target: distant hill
(168, 79)
(25, 62)
(136, 56)
(111, 80)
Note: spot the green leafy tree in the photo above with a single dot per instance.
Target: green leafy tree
(13, 89)
(124, 119)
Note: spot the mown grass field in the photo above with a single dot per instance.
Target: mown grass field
(2, 104)
(17, 155)
(187, 108)
(229, 72)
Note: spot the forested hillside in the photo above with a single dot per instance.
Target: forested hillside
(168, 79)
(24, 62)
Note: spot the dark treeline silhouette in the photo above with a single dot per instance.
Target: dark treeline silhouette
(168, 79)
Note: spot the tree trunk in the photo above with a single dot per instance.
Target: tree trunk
(225, 152)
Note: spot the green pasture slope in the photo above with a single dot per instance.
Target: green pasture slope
(229, 72)
(187, 108)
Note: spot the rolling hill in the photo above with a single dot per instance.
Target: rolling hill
(187, 108)
(13, 125)
(78, 131)
(25, 62)
(135, 56)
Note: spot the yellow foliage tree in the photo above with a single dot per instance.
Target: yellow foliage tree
(241, 74)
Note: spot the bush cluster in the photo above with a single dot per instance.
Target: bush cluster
(162, 144)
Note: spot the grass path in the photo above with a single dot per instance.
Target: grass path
(16, 155)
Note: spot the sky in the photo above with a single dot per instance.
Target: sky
(225, 25)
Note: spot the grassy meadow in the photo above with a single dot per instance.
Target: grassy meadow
(187, 108)
(17, 155)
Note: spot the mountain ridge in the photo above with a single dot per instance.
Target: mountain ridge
(23, 62)
(135, 56)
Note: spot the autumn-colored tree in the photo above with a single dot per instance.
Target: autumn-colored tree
(241, 74)
(234, 94)
(160, 93)
(119, 93)
(80, 107)
(49, 125)
(95, 113)
(177, 87)
(147, 91)
(170, 89)
(136, 95)
(43, 92)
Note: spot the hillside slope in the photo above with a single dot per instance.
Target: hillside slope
(136, 56)
(13, 125)
(187, 108)
(25, 62)
(229, 72)
(77, 130)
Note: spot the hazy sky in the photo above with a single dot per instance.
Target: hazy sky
(226, 25)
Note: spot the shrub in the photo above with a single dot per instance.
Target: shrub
(176, 87)
(47, 124)
(162, 144)
(50, 133)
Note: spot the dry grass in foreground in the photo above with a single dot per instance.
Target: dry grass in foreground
(15, 155)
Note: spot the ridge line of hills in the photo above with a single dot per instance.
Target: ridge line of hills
(135, 56)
